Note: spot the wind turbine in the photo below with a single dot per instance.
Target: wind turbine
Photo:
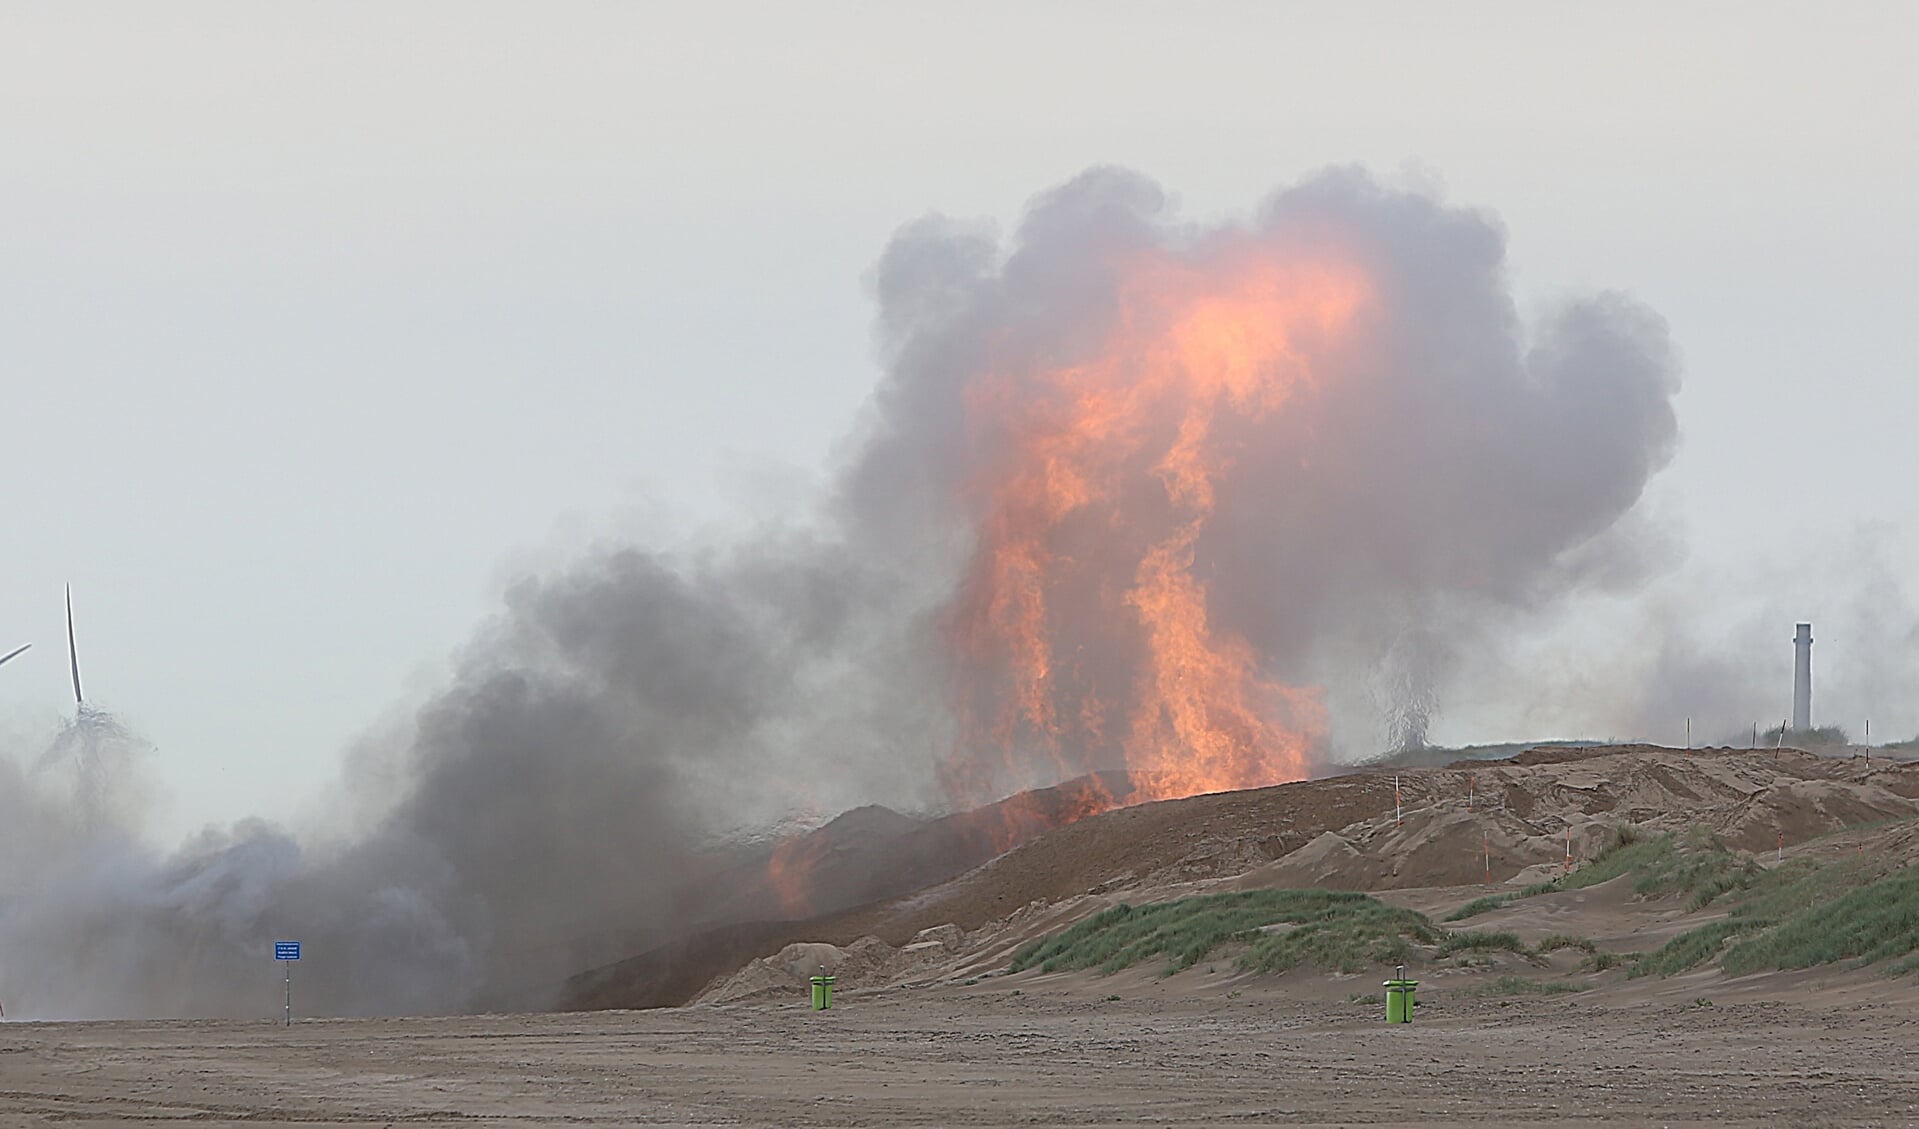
(73, 654)
(13, 654)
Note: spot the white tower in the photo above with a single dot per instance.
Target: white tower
(1802, 679)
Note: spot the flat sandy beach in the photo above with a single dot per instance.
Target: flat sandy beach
(1055, 1053)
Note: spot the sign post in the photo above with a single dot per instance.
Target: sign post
(287, 952)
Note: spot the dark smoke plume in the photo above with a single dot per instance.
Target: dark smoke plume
(570, 796)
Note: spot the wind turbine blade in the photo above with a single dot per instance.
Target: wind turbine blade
(14, 654)
(73, 652)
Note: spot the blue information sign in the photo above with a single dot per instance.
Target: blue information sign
(286, 950)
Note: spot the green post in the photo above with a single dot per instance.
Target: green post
(822, 993)
(829, 993)
(1399, 1000)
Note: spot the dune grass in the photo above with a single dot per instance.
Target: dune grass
(1796, 916)
(1481, 941)
(1687, 950)
(1523, 986)
(1327, 928)
(1799, 915)
(1274, 930)
(1598, 961)
(1481, 905)
(1564, 941)
(1628, 851)
(1805, 914)
(1700, 866)
(1870, 923)
(1697, 864)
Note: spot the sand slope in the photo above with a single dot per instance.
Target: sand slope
(1338, 832)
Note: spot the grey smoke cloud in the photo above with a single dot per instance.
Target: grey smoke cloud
(1454, 463)
(570, 791)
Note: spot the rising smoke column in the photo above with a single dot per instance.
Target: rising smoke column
(1132, 493)
(1199, 469)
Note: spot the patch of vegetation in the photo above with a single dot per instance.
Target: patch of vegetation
(1629, 851)
(1697, 864)
(1372, 998)
(1689, 949)
(1329, 928)
(1522, 986)
(1478, 942)
(1563, 941)
(1480, 905)
(1799, 915)
(1600, 962)
(1349, 940)
(1701, 866)
(1804, 914)
(1871, 923)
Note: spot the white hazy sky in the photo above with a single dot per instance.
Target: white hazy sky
(320, 322)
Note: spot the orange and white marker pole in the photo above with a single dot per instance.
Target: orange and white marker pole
(1781, 856)
(1487, 842)
(1569, 850)
(1397, 811)
(1471, 782)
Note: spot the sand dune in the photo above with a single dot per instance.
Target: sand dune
(1338, 833)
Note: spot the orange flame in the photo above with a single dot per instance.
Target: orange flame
(789, 873)
(1082, 623)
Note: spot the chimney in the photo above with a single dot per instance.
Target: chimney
(1802, 679)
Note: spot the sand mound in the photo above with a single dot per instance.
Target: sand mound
(1517, 818)
(871, 853)
(867, 962)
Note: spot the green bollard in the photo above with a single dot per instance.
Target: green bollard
(822, 993)
(829, 992)
(1399, 1000)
